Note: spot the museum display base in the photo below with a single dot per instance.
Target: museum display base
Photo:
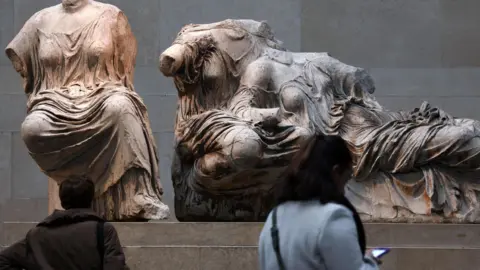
(232, 246)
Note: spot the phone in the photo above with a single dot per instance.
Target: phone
(379, 252)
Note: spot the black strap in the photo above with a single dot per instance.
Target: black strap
(100, 241)
(276, 240)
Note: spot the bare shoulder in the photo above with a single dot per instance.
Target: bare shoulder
(258, 73)
(261, 65)
(39, 17)
(119, 18)
(107, 7)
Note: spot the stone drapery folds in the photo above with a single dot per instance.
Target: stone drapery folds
(246, 103)
(84, 117)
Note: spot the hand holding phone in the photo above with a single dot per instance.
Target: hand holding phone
(377, 253)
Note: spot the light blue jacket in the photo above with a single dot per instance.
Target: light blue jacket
(313, 236)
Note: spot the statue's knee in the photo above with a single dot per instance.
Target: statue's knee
(33, 127)
(212, 163)
(292, 99)
(247, 148)
(117, 105)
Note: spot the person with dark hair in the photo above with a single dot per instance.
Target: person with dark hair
(72, 239)
(314, 226)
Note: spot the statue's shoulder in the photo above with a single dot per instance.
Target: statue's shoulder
(114, 10)
(278, 56)
(262, 60)
(308, 56)
(260, 65)
(40, 16)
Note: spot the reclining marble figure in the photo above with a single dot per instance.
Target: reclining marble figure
(246, 103)
(84, 117)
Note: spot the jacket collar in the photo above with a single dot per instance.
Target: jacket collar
(70, 216)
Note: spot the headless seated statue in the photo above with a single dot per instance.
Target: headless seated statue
(246, 104)
(84, 117)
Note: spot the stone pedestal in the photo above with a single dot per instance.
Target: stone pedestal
(233, 246)
(53, 198)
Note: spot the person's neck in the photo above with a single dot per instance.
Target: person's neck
(74, 5)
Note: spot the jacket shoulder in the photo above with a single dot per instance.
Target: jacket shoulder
(108, 227)
(334, 209)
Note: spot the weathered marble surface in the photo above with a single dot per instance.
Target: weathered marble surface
(84, 117)
(246, 102)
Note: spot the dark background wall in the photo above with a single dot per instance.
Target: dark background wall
(416, 50)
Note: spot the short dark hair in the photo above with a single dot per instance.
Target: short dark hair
(310, 173)
(76, 193)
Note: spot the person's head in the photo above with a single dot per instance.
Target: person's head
(76, 193)
(320, 170)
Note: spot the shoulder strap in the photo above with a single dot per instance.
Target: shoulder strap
(276, 240)
(100, 241)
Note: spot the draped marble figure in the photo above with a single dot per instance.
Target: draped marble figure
(246, 103)
(84, 118)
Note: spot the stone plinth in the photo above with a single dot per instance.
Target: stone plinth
(233, 246)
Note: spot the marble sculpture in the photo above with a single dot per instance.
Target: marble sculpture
(246, 103)
(84, 118)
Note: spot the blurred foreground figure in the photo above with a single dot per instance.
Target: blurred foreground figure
(314, 226)
(72, 239)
